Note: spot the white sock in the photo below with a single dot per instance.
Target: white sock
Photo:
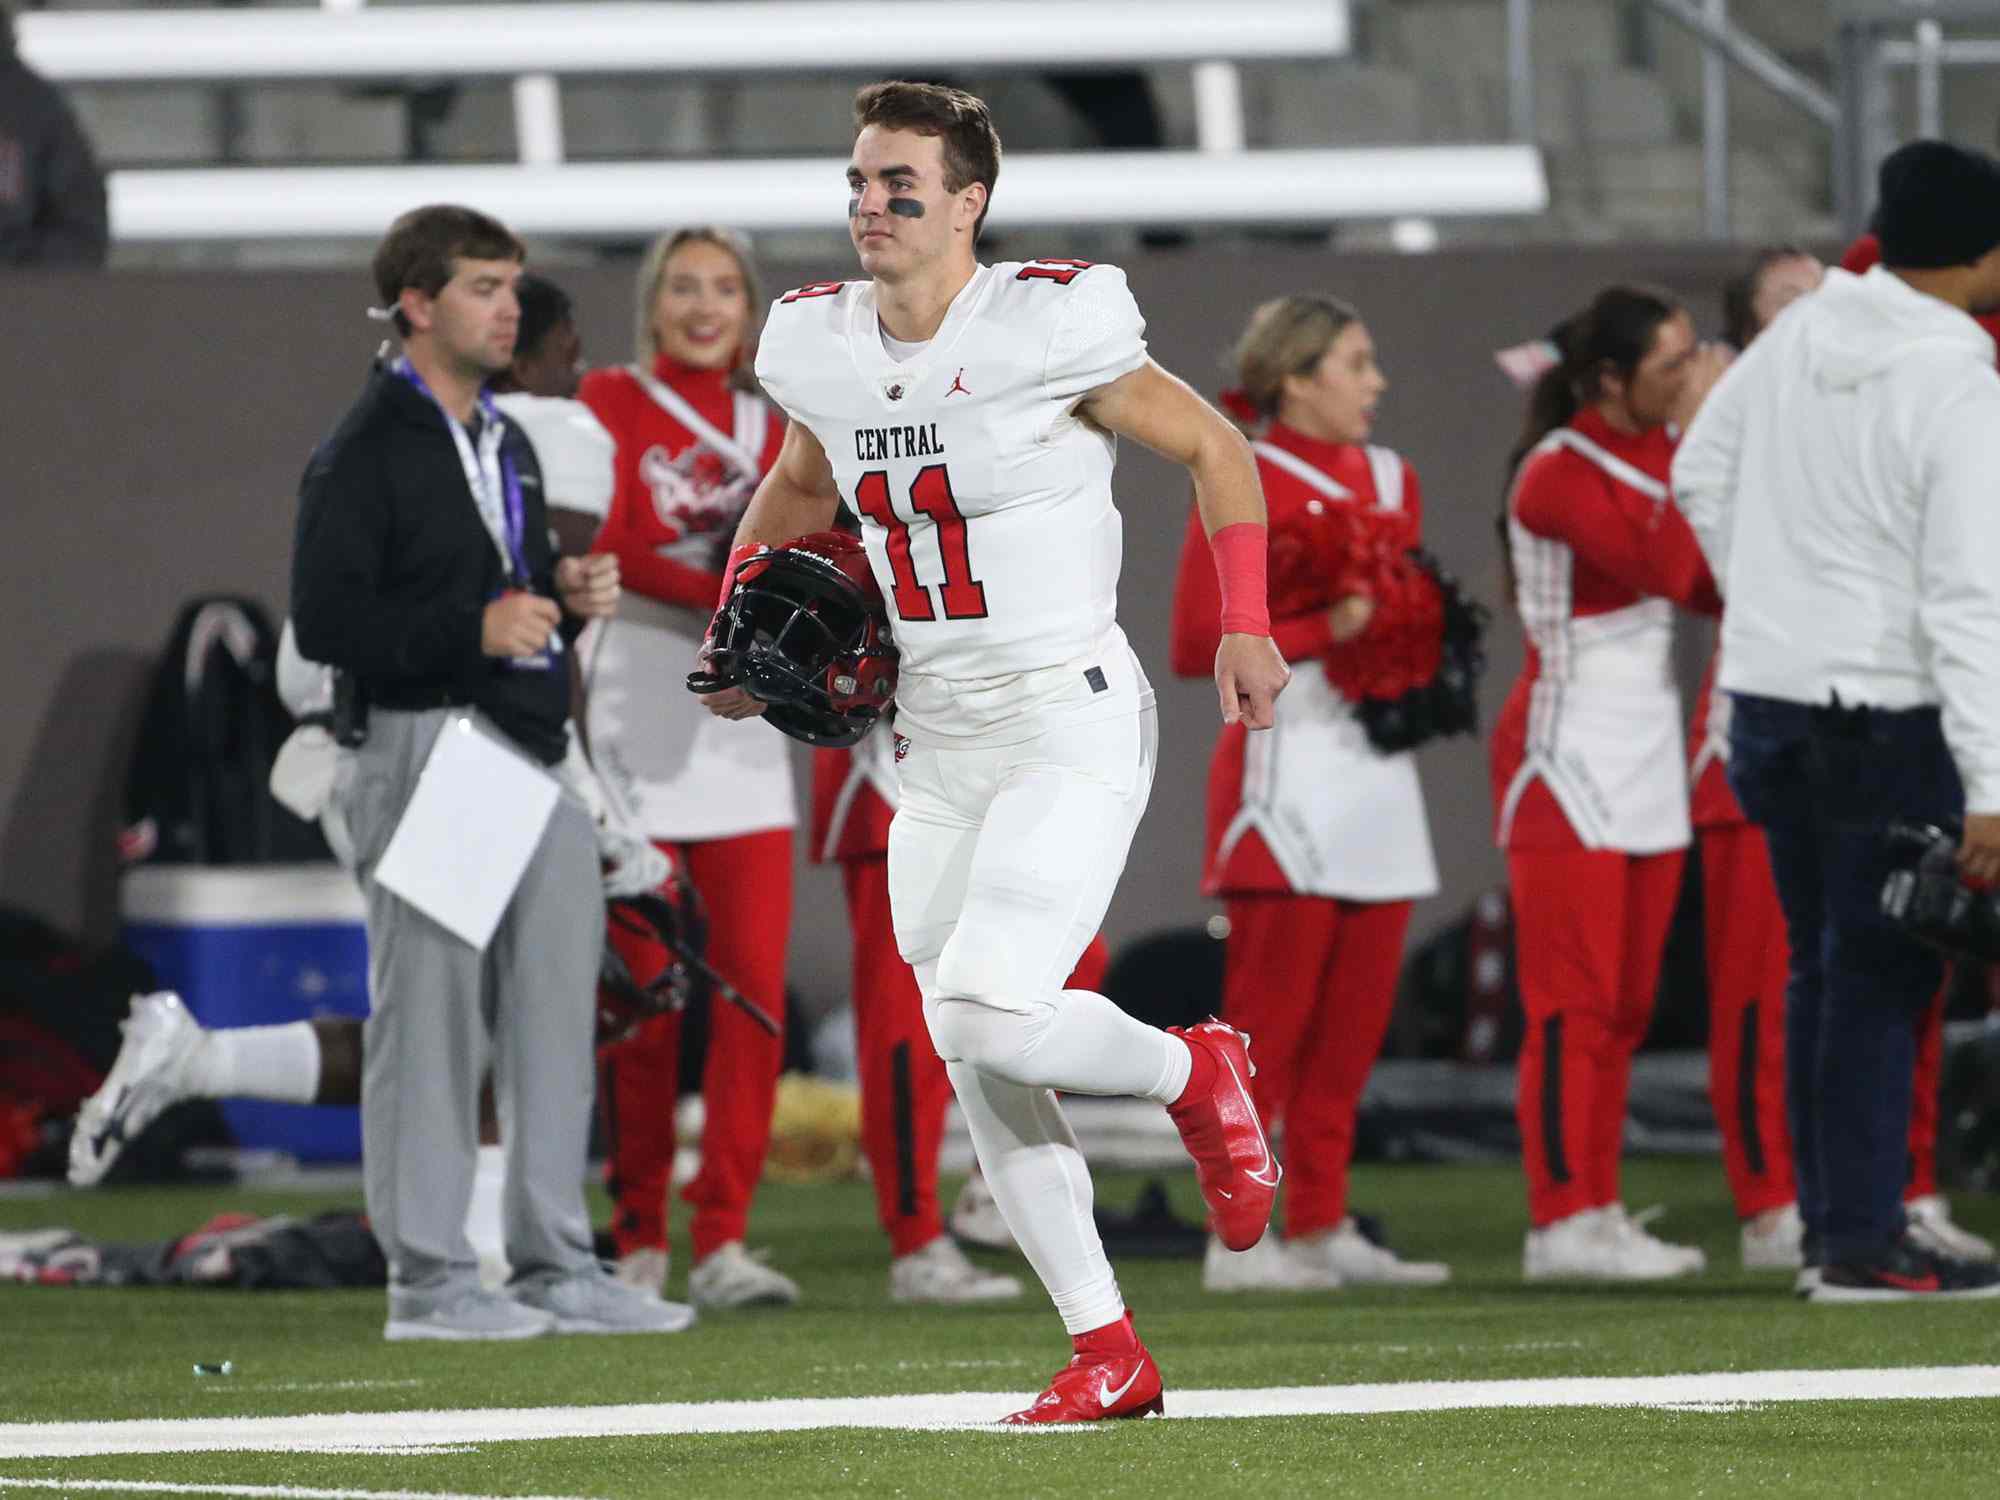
(279, 1063)
(1081, 1044)
(482, 1212)
(1037, 1175)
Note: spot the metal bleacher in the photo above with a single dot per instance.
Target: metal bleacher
(1612, 133)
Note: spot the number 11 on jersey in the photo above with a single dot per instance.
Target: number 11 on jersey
(963, 596)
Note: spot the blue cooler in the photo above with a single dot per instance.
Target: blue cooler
(254, 945)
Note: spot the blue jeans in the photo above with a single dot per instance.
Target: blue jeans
(1824, 783)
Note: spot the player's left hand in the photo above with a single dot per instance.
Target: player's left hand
(732, 703)
(589, 585)
(1249, 675)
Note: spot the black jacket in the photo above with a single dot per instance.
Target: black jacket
(51, 193)
(392, 568)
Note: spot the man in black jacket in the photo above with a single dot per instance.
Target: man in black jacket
(422, 569)
(51, 193)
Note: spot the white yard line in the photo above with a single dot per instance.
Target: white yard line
(275, 1491)
(361, 1432)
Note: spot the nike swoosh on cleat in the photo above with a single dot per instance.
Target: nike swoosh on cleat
(1108, 1398)
(114, 1128)
(1270, 1165)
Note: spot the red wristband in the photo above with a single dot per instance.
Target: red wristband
(737, 557)
(1239, 567)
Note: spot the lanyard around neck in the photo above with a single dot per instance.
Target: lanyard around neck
(489, 474)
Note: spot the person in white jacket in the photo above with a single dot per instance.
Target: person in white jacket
(1844, 481)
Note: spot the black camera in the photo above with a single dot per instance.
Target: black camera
(1927, 897)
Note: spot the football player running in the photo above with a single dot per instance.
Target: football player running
(968, 414)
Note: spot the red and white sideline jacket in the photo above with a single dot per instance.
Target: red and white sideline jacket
(1309, 806)
(854, 796)
(1601, 557)
(690, 452)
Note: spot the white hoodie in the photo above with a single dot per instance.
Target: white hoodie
(1844, 480)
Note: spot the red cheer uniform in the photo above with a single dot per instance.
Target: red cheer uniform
(1590, 783)
(691, 449)
(904, 1088)
(1317, 842)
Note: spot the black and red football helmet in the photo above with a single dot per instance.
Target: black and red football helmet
(804, 631)
(674, 919)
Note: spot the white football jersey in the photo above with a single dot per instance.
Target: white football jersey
(985, 502)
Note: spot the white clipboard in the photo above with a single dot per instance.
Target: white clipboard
(468, 833)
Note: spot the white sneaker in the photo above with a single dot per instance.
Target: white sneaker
(643, 1271)
(1567, 1247)
(1774, 1240)
(1267, 1266)
(976, 1218)
(940, 1272)
(1643, 1248)
(1351, 1256)
(149, 1075)
(732, 1277)
(1603, 1244)
(474, 1316)
(1806, 1282)
(592, 1302)
(1931, 1226)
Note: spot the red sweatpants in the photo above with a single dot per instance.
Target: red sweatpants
(1748, 959)
(1747, 963)
(1589, 927)
(904, 1089)
(1313, 981)
(746, 885)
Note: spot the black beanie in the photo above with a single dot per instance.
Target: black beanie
(1937, 205)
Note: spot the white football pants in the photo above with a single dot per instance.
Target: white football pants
(1001, 864)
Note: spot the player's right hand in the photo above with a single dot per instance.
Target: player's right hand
(1249, 675)
(518, 624)
(732, 703)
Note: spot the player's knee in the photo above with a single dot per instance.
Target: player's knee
(995, 1041)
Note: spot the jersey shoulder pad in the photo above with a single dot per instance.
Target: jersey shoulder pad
(796, 323)
(1096, 332)
(811, 291)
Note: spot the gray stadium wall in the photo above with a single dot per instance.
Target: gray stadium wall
(153, 427)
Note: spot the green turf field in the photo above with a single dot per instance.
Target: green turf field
(72, 1355)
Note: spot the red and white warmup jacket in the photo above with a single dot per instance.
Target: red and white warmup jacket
(1601, 557)
(854, 799)
(691, 450)
(1308, 807)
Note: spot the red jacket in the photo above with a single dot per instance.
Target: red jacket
(1303, 582)
(863, 812)
(1623, 547)
(669, 499)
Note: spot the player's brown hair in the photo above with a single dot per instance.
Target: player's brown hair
(961, 120)
(421, 245)
(653, 271)
(1285, 336)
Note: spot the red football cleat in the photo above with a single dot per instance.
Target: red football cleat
(1110, 1377)
(1219, 1126)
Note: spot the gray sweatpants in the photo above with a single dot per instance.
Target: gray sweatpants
(440, 1009)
